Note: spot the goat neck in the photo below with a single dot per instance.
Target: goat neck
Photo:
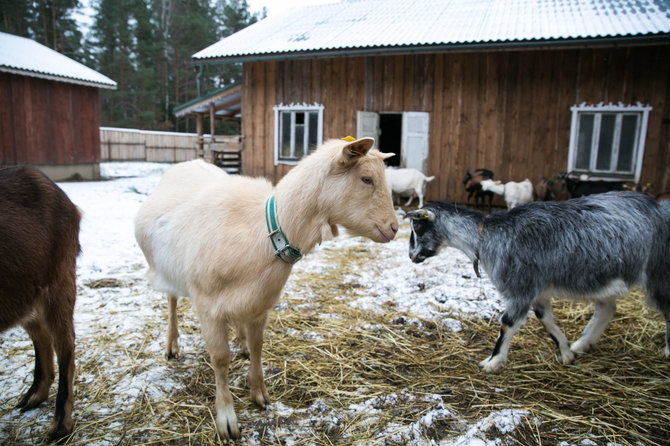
(298, 210)
(463, 229)
(340, 184)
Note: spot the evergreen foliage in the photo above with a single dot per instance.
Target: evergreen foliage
(143, 45)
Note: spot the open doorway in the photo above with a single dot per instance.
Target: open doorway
(390, 136)
(404, 134)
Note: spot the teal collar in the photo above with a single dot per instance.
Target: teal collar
(283, 249)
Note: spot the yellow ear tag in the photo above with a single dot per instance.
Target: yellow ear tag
(349, 139)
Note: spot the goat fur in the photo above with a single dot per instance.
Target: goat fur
(512, 192)
(593, 248)
(407, 183)
(39, 229)
(204, 235)
(473, 186)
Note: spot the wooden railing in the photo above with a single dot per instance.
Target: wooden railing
(166, 147)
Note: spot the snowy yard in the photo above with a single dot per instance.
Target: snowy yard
(358, 316)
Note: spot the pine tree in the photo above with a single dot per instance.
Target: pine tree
(114, 42)
(233, 16)
(15, 17)
(146, 47)
(48, 22)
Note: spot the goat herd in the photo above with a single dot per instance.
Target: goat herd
(229, 242)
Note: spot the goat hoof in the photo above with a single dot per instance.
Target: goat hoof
(580, 347)
(492, 365)
(567, 357)
(172, 350)
(59, 434)
(31, 400)
(261, 401)
(226, 422)
(260, 396)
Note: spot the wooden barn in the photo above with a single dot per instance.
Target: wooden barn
(526, 88)
(49, 110)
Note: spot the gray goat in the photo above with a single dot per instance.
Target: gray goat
(592, 248)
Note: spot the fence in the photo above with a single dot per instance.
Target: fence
(163, 147)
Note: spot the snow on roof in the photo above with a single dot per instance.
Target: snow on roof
(26, 57)
(376, 25)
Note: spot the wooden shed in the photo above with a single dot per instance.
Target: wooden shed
(49, 110)
(526, 88)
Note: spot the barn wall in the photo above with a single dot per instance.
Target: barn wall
(508, 111)
(49, 123)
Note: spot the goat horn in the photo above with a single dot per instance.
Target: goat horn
(421, 214)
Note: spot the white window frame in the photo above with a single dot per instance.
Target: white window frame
(295, 108)
(638, 154)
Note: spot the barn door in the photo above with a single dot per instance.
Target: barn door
(415, 140)
(367, 125)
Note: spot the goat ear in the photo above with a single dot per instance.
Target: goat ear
(355, 150)
(386, 155)
(421, 214)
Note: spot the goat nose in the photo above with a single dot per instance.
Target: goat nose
(394, 228)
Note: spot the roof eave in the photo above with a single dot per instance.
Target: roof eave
(51, 77)
(651, 39)
(232, 91)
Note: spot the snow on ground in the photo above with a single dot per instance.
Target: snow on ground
(113, 319)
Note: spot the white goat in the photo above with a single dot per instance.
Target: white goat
(404, 182)
(205, 235)
(512, 192)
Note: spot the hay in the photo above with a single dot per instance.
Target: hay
(348, 376)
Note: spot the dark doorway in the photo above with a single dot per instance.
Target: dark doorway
(390, 133)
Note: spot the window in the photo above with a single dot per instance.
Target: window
(298, 131)
(607, 141)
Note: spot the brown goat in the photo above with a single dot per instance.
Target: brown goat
(473, 186)
(39, 244)
(551, 189)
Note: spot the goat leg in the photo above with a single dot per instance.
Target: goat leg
(259, 393)
(511, 322)
(602, 315)
(60, 323)
(44, 363)
(172, 347)
(542, 309)
(215, 333)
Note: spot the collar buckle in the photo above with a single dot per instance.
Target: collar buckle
(283, 249)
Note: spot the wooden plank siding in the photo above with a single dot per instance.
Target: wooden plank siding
(508, 111)
(48, 122)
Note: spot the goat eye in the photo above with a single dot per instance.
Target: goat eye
(366, 180)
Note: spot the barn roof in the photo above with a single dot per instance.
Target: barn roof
(26, 57)
(381, 26)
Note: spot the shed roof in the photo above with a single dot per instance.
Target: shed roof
(226, 101)
(378, 26)
(19, 55)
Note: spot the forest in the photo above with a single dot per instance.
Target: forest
(145, 46)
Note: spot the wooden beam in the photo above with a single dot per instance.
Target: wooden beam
(198, 126)
(211, 120)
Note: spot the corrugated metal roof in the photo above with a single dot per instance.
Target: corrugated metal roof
(23, 56)
(358, 25)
